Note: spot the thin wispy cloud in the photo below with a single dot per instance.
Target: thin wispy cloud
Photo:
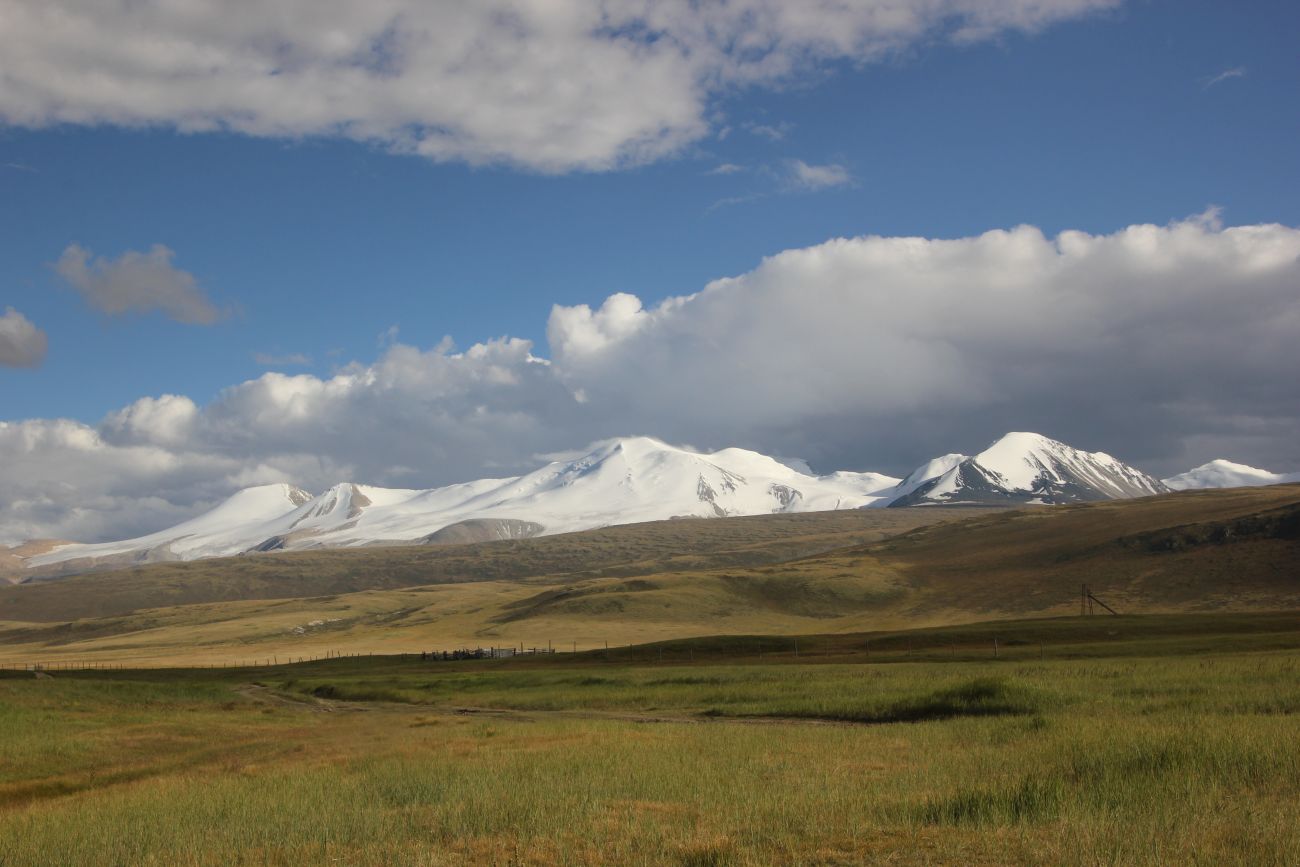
(730, 201)
(788, 178)
(725, 169)
(293, 359)
(769, 131)
(22, 167)
(1234, 72)
(804, 176)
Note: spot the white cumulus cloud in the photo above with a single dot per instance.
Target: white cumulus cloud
(554, 86)
(137, 282)
(22, 344)
(1164, 345)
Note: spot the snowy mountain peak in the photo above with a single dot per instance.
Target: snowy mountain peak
(228, 528)
(1227, 474)
(1023, 460)
(1031, 468)
(617, 481)
(931, 469)
(259, 498)
(632, 448)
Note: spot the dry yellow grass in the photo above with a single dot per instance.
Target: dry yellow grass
(1202, 551)
(1125, 760)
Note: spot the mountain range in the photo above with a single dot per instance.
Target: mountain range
(624, 481)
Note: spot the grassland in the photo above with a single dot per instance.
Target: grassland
(622, 551)
(1132, 740)
(846, 572)
(841, 688)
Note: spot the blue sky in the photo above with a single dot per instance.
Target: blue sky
(313, 241)
(321, 245)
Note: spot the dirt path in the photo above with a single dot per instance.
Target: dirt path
(312, 704)
(649, 718)
(265, 695)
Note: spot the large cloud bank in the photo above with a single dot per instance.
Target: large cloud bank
(1164, 345)
(554, 86)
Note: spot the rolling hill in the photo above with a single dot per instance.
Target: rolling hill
(1197, 551)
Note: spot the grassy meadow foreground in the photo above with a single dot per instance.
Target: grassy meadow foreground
(897, 686)
(1100, 740)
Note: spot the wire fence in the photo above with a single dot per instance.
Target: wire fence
(733, 649)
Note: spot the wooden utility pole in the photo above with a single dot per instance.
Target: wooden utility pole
(1087, 601)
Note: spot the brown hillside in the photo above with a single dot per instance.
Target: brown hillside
(1233, 550)
(627, 550)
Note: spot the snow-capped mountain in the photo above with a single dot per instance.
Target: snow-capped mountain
(1028, 468)
(231, 527)
(1226, 474)
(927, 471)
(624, 481)
(620, 481)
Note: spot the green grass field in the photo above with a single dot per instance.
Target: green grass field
(1133, 740)
(838, 688)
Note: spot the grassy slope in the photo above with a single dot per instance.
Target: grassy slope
(1199, 550)
(1148, 750)
(1159, 553)
(1203, 551)
(633, 549)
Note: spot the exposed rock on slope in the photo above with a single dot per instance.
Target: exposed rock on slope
(484, 530)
